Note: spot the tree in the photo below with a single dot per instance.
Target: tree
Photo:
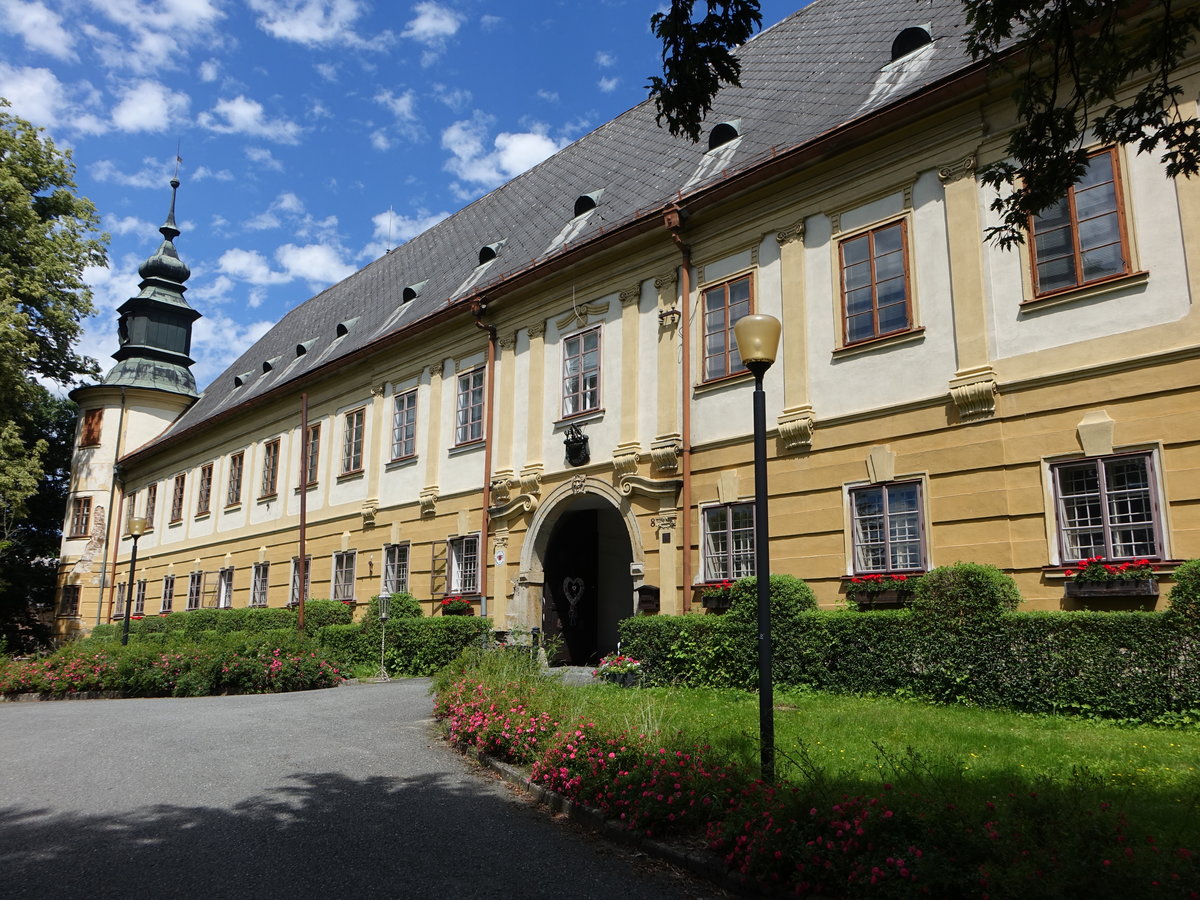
(1076, 57)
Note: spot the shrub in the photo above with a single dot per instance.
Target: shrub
(789, 598)
(348, 645)
(423, 646)
(319, 613)
(1184, 599)
(965, 592)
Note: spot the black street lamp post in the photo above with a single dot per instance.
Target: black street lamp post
(758, 341)
(137, 527)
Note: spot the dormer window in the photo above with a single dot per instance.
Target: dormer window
(412, 292)
(343, 328)
(721, 134)
(488, 253)
(239, 380)
(586, 202)
(910, 40)
(303, 346)
(269, 364)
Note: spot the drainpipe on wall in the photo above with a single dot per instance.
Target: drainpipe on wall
(673, 220)
(302, 562)
(112, 493)
(478, 309)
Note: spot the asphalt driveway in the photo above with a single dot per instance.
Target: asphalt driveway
(336, 793)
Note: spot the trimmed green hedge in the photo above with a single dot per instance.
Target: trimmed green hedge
(413, 646)
(254, 619)
(1137, 667)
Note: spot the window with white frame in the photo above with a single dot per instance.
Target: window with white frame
(119, 611)
(294, 593)
(343, 575)
(168, 594)
(69, 605)
(130, 509)
(724, 304)
(139, 598)
(233, 491)
(259, 584)
(225, 588)
(395, 568)
(81, 517)
(352, 441)
(581, 373)
(1108, 507)
(404, 424)
(728, 541)
(887, 527)
(195, 590)
(270, 470)
(468, 420)
(463, 574)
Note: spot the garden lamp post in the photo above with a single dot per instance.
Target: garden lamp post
(137, 527)
(385, 603)
(758, 340)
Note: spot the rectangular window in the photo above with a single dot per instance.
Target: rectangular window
(313, 460)
(168, 595)
(294, 596)
(728, 542)
(195, 590)
(81, 517)
(270, 471)
(1081, 238)
(1107, 507)
(468, 422)
(151, 505)
(139, 598)
(395, 568)
(225, 588)
(875, 295)
(130, 510)
(258, 587)
(233, 491)
(404, 425)
(352, 441)
(724, 304)
(464, 565)
(119, 606)
(69, 605)
(887, 528)
(581, 373)
(343, 575)
(89, 433)
(177, 498)
(204, 495)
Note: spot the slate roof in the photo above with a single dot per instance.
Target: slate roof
(822, 67)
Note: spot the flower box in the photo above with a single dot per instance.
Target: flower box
(894, 598)
(623, 679)
(1142, 587)
(716, 601)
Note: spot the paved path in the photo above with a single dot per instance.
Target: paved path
(337, 793)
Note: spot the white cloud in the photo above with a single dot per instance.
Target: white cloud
(286, 205)
(380, 141)
(318, 264)
(548, 96)
(241, 115)
(217, 342)
(153, 174)
(456, 99)
(327, 71)
(432, 25)
(157, 35)
(605, 60)
(490, 23)
(510, 154)
(249, 265)
(402, 106)
(608, 85)
(35, 94)
(392, 230)
(205, 172)
(128, 225)
(315, 23)
(40, 28)
(149, 106)
(210, 70)
(263, 157)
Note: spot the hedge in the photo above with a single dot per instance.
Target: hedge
(412, 647)
(1136, 667)
(255, 619)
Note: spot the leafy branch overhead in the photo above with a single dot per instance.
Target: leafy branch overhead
(1077, 56)
(697, 60)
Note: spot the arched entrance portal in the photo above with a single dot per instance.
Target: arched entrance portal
(583, 551)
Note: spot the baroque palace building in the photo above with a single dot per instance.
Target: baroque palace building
(537, 404)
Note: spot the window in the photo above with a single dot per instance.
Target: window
(258, 587)
(875, 283)
(728, 541)
(177, 498)
(469, 418)
(1082, 237)
(464, 565)
(343, 576)
(888, 535)
(168, 595)
(581, 373)
(139, 598)
(119, 606)
(270, 471)
(151, 504)
(89, 433)
(225, 588)
(404, 425)
(195, 589)
(81, 517)
(69, 605)
(1107, 507)
(233, 491)
(723, 306)
(295, 591)
(313, 445)
(352, 441)
(395, 568)
(204, 495)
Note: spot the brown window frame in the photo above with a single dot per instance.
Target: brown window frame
(178, 491)
(870, 235)
(269, 486)
(204, 492)
(354, 426)
(139, 597)
(233, 488)
(151, 505)
(884, 488)
(470, 431)
(312, 456)
(81, 517)
(90, 428)
(1077, 250)
(404, 446)
(68, 605)
(730, 350)
(167, 603)
(581, 393)
(195, 595)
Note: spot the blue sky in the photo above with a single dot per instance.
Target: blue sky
(314, 134)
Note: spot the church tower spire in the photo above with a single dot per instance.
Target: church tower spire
(155, 328)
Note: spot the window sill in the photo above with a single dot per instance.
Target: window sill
(1087, 291)
(910, 335)
(459, 449)
(312, 486)
(202, 515)
(233, 507)
(590, 415)
(401, 462)
(1162, 568)
(267, 498)
(716, 384)
(77, 537)
(175, 523)
(350, 476)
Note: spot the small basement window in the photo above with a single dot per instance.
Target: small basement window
(910, 40)
(721, 134)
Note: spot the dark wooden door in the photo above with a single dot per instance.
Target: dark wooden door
(569, 595)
